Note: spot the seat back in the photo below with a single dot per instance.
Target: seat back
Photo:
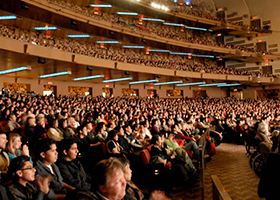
(145, 156)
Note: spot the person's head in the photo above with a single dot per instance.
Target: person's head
(12, 117)
(3, 140)
(62, 123)
(156, 140)
(46, 151)
(30, 121)
(69, 149)
(113, 135)
(88, 124)
(126, 169)
(54, 123)
(21, 170)
(120, 130)
(109, 179)
(82, 131)
(14, 143)
(171, 136)
(71, 122)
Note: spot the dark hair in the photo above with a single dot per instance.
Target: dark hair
(125, 162)
(112, 134)
(44, 145)
(10, 115)
(60, 122)
(98, 129)
(155, 138)
(103, 170)
(65, 144)
(15, 165)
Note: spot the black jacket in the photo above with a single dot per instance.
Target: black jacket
(74, 174)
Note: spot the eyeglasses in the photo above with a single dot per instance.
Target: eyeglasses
(28, 168)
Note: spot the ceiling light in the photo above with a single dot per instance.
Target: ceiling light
(181, 54)
(45, 28)
(158, 50)
(14, 70)
(8, 17)
(152, 19)
(107, 42)
(134, 47)
(196, 28)
(229, 85)
(101, 5)
(78, 36)
(188, 84)
(55, 74)
(116, 80)
(146, 81)
(173, 24)
(167, 83)
(87, 77)
(127, 13)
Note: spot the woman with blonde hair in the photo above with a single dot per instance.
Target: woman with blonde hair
(14, 148)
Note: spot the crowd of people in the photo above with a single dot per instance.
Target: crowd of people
(189, 35)
(162, 60)
(64, 137)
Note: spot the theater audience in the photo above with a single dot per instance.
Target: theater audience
(4, 158)
(12, 123)
(54, 132)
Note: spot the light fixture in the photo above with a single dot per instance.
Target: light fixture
(173, 24)
(229, 85)
(8, 17)
(101, 5)
(188, 84)
(134, 47)
(55, 74)
(127, 13)
(78, 36)
(116, 80)
(212, 84)
(87, 77)
(181, 54)
(107, 42)
(45, 28)
(168, 83)
(15, 70)
(146, 81)
(203, 56)
(152, 19)
(158, 50)
(196, 28)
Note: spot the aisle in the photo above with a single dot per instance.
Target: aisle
(231, 165)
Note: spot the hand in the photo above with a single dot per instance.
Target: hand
(25, 150)
(43, 183)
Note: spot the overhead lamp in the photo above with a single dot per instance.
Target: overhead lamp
(146, 81)
(107, 42)
(196, 28)
(55, 74)
(168, 83)
(101, 5)
(229, 85)
(134, 47)
(152, 19)
(173, 24)
(87, 77)
(188, 84)
(179, 53)
(158, 50)
(78, 36)
(45, 28)
(127, 13)
(8, 17)
(203, 56)
(116, 80)
(212, 84)
(15, 70)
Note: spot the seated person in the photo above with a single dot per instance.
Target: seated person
(70, 168)
(12, 123)
(14, 149)
(131, 139)
(112, 144)
(23, 175)
(4, 158)
(45, 165)
(178, 173)
(63, 127)
(108, 181)
(54, 132)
